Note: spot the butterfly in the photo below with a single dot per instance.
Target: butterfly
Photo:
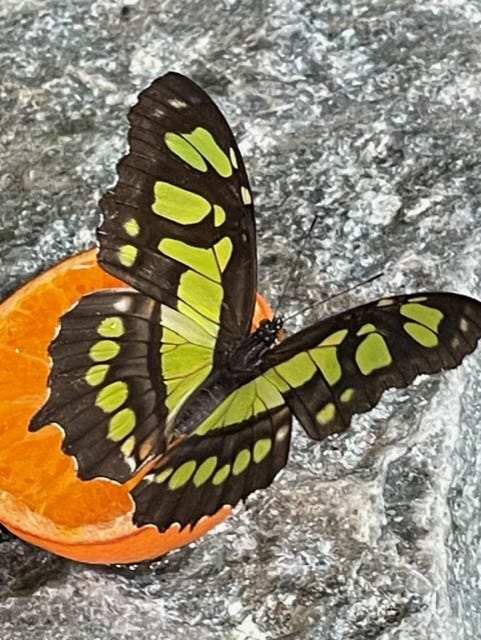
(166, 379)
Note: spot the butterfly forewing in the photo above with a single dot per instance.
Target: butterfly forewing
(178, 227)
(179, 224)
(340, 366)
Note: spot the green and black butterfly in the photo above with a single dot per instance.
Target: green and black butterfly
(170, 370)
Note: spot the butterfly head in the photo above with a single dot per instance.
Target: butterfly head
(270, 331)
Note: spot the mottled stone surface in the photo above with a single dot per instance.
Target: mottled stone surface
(366, 114)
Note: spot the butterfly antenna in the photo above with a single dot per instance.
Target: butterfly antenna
(295, 264)
(334, 295)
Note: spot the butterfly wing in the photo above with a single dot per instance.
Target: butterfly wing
(203, 473)
(179, 228)
(122, 364)
(106, 391)
(341, 366)
(179, 224)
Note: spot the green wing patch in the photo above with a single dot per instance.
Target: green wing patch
(179, 224)
(201, 474)
(186, 354)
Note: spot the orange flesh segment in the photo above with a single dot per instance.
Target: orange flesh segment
(41, 498)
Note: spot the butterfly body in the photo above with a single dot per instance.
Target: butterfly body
(239, 367)
(164, 385)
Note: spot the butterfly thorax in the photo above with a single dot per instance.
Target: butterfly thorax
(239, 366)
(250, 351)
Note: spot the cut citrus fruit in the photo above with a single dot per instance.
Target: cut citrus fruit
(41, 498)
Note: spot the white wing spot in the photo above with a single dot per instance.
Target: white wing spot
(282, 433)
(246, 195)
(233, 158)
(464, 325)
(385, 302)
(418, 299)
(176, 103)
(123, 304)
(130, 463)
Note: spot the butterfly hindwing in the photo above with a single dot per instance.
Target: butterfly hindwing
(341, 366)
(106, 391)
(202, 473)
(179, 224)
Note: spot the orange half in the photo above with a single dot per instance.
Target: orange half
(41, 498)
